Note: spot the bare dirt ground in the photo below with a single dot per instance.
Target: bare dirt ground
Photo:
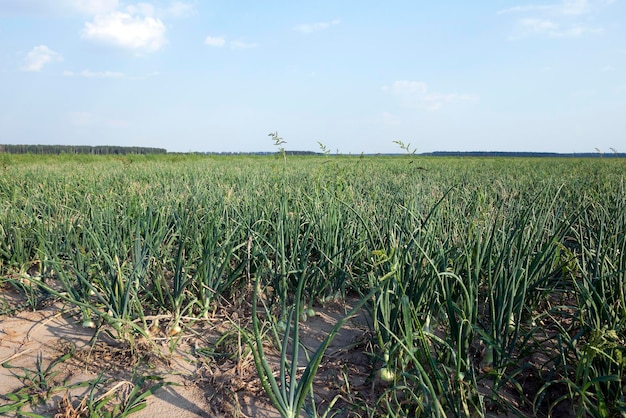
(50, 354)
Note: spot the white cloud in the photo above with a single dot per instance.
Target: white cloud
(533, 26)
(145, 9)
(40, 56)
(217, 41)
(407, 87)
(180, 9)
(93, 7)
(92, 74)
(523, 9)
(538, 25)
(127, 30)
(315, 27)
(242, 45)
(566, 19)
(574, 7)
(576, 31)
(565, 7)
(176, 9)
(417, 94)
(220, 41)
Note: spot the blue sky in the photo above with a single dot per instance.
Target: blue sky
(193, 75)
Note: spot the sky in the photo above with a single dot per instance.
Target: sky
(355, 76)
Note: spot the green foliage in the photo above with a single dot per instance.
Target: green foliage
(77, 149)
(486, 261)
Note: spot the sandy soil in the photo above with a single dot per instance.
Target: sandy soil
(212, 372)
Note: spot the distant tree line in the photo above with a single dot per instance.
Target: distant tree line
(523, 154)
(79, 149)
(119, 150)
(287, 152)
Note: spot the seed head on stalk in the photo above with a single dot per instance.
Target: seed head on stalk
(278, 141)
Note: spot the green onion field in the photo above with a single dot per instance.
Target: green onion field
(492, 286)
